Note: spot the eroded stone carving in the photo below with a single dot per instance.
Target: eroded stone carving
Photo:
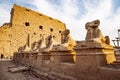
(94, 37)
(67, 43)
(48, 44)
(107, 40)
(33, 47)
(65, 36)
(93, 31)
(95, 40)
(48, 41)
(21, 49)
(39, 44)
(26, 47)
(36, 45)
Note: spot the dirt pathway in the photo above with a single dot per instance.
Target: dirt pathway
(5, 75)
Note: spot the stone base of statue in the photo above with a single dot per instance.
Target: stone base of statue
(98, 49)
(92, 56)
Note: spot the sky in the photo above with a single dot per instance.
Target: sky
(74, 13)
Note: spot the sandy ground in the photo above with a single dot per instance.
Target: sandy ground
(5, 75)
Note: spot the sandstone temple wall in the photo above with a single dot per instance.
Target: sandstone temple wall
(26, 22)
(5, 42)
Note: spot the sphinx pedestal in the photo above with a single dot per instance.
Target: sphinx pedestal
(90, 58)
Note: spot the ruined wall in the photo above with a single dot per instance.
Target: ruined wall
(23, 22)
(5, 42)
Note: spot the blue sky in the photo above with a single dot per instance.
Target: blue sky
(74, 13)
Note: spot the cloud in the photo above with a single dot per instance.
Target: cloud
(66, 11)
(75, 16)
(97, 11)
(75, 13)
(5, 14)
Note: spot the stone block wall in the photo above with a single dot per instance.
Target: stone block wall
(25, 21)
(91, 64)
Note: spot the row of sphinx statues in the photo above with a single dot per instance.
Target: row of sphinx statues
(93, 34)
(49, 42)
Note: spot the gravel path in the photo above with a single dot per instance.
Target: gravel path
(5, 75)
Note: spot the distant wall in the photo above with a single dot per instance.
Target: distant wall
(23, 22)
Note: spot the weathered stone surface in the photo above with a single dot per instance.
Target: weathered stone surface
(48, 44)
(18, 69)
(65, 36)
(55, 55)
(94, 34)
(36, 46)
(107, 40)
(93, 31)
(67, 43)
(25, 21)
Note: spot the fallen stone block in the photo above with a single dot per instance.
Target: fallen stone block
(12, 66)
(18, 69)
